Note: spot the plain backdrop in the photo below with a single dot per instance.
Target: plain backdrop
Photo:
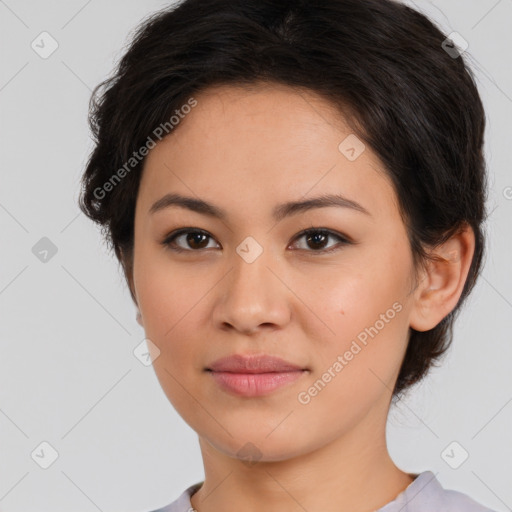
(71, 388)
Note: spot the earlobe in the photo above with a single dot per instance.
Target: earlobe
(443, 280)
(139, 318)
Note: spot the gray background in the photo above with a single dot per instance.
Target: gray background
(68, 375)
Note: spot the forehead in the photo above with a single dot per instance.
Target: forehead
(266, 143)
(252, 116)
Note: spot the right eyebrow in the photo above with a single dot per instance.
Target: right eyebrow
(190, 203)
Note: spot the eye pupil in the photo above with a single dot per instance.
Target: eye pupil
(317, 238)
(192, 238)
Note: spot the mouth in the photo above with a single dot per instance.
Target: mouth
(252, 376)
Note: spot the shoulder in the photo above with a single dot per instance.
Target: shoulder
(182, 503)
(426, 493)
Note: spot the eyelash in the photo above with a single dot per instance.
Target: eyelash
(168, 242)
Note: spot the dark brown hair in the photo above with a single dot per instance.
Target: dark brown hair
(412, 101)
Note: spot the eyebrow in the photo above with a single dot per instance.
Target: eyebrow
(279, 212)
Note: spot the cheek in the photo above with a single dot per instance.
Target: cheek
(170, 300)
(364, 306)
(358, 365)
(165, 292)
(353, 298)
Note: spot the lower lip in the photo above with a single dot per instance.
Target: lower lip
(254, 384)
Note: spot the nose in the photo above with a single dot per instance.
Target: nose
(252, 297)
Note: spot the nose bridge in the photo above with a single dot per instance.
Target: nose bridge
(252, 294)
(250, 268)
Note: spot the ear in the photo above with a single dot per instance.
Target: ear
(443, 279)
(139, 318)
(127, 264)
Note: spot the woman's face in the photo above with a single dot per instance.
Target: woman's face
(336, 306)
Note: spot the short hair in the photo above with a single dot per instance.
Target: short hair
(386, 68)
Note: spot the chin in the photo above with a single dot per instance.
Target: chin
(255, 445)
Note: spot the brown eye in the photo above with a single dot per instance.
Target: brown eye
(317, 240)
(197, 240)
(189, 240)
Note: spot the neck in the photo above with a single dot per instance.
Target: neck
(352, 473)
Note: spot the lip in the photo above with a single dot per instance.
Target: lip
(237, 363)
(255, 375)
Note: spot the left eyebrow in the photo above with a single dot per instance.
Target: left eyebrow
(279, 212)
(324, 201)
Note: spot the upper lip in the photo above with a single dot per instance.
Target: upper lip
(252, 364)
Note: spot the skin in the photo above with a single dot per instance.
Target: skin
(247, 151)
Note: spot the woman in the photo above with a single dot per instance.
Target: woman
(296, 192)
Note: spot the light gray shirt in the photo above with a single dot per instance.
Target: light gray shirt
(423, 494)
